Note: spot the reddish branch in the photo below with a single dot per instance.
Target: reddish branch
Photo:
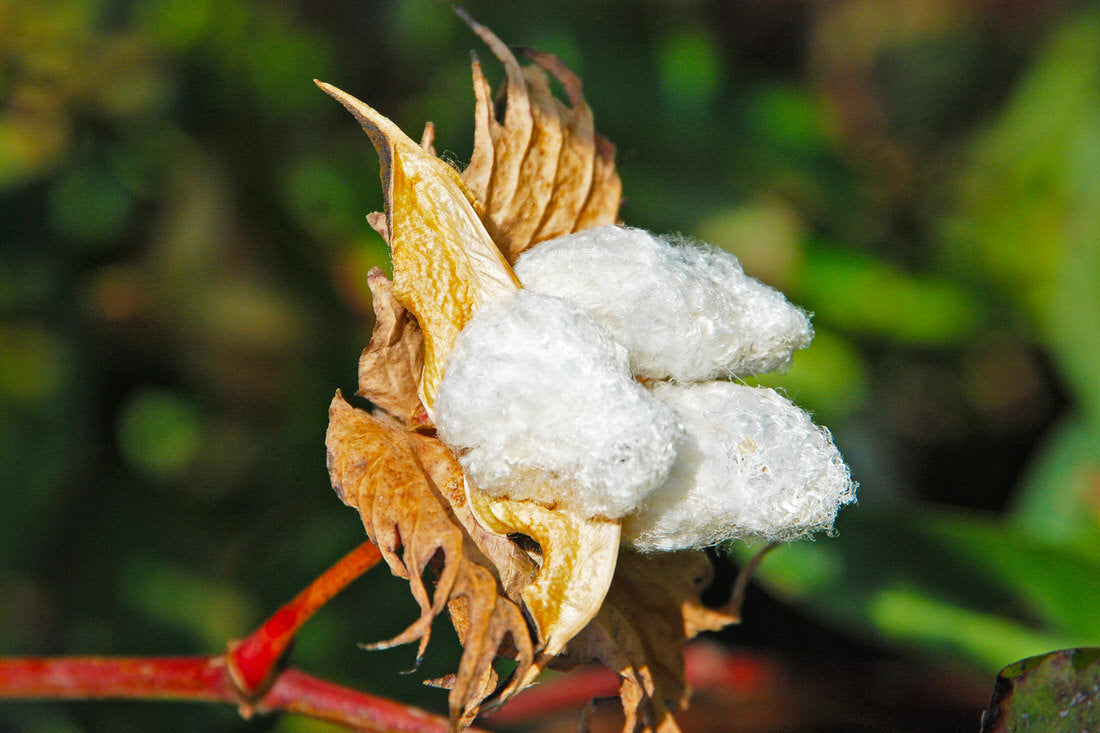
(246, 675)
(253, 660)
(75, 678)
(206, 679)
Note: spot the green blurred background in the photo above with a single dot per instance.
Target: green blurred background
(182, 288)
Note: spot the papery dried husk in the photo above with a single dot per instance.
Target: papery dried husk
(378, 468)
(543, 172)
(391, 365)
(653, 608)
(578, 563)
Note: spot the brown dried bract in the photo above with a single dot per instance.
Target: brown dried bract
(652, 609)
(543, 172)
(390, 366)
(379, 469)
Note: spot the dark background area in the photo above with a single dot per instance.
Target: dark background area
(183, 261)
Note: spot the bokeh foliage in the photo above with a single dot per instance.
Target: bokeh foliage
(182, 288)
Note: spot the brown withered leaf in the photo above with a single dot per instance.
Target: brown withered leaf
(390, 366)
(543, 172)
(379, 468)
(652, 609)
(514, 567)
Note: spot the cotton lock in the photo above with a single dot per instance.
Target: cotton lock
(539, 402)
(752, 465)
(543, 395)
(684, 311)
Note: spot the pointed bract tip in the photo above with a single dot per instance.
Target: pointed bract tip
(380, 128)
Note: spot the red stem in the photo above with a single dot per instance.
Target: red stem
(245, 675)
(297, 692)
(207, 679)
(74, 678)
(252, 661)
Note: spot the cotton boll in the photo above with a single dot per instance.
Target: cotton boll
(751, 465)
(539, 403)
(684, 312)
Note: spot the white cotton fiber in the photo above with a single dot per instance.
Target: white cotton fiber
(751, 465)
(539, 403)
(683, 311)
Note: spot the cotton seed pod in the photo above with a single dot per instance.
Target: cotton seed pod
(539, 403)
(751, 465)
(683, 311)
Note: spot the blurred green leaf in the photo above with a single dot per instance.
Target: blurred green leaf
(916, 619)
(1074, 314)
(159, 432)
(861, 295)
(1058, 585)
(690, 72)
(1060, 498)
(952, 583)
(1029, 198)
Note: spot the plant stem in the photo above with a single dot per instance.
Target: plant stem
(246, 675)
(75, 678)
(253, 660)
(207, 679)
(301, 693)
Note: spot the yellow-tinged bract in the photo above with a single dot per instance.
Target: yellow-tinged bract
(444, 263)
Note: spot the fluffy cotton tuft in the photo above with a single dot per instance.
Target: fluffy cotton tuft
(539, 403)
(683, 311)
(751, 465)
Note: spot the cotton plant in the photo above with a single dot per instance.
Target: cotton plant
(557, 427)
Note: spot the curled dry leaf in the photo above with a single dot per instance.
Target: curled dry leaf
(380, 469)
(561, 600)
(390, 366)
(543, 172)
(659, 597)
(652, 609)
(514, 567)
